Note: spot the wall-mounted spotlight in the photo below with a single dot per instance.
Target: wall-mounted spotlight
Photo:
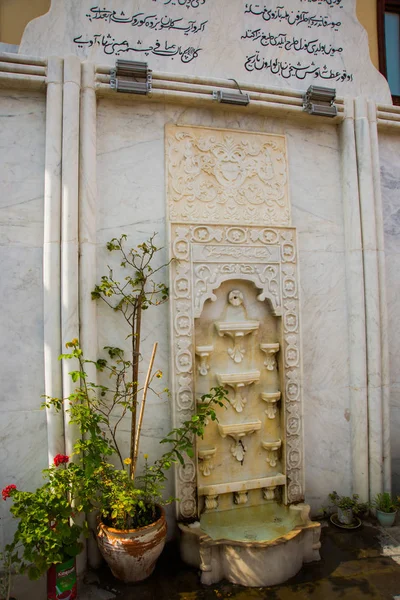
(320, 101)
(240, 98)
(231, 98)
(131, 77)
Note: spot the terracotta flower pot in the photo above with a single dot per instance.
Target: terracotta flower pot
(131, 554)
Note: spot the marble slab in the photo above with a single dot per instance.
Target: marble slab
(290, 44)
(131, 199)
(23, 451)
(22, 137)
(389, 148)
(226, 176)
(23, 430)
(21, 324)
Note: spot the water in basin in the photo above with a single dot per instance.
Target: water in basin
(262, 523)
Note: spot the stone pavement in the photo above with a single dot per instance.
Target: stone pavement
(356, 565)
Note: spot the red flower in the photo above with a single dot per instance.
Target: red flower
(60, 459)
(6, 492)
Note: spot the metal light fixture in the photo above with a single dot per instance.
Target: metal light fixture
(131, 77)
(320, 101)
(240, 98)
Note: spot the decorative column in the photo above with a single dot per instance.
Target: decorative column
(87, 217)
(355, 305)
(52, 254)
(87, 246)
(376, 175)
(372, 298)
(69, 226)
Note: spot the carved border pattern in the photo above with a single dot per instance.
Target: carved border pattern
(191, 284)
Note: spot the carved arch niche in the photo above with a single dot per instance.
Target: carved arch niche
(221, 186)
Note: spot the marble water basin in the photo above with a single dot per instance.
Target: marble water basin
(263, 523)
(252, 546)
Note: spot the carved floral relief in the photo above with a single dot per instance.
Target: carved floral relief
(224, 176)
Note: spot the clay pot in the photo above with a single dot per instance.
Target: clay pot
(131, 554)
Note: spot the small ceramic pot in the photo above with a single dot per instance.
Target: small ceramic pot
(131, 554)
(386, 519)
(345, 516)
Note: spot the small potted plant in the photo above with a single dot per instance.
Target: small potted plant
(347, 507)
(386, 508)
(47, 535)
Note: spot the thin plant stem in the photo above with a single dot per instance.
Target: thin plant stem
(135, 377)
(8, 590)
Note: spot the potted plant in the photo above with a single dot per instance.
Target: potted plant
(386, 508)
(47, 539)
(132, 527)
(347, 507)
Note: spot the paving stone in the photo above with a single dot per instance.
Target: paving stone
(357, 565)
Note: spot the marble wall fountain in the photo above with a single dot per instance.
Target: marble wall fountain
(235, 316)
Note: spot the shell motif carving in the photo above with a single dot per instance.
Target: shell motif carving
(211, 502)
(240, 497)
(205, 456)
(269, 493)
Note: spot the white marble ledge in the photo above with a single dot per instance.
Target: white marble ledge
(242, 486)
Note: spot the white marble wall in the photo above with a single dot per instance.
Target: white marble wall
(131, 199)
(130, 165)
(318, 214)
(389, 149)
(23, 436)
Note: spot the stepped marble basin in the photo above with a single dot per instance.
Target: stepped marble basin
(263, 523)
(238, 381)
(253, 546)
(237, 330)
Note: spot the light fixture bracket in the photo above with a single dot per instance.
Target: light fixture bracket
(231, 97)
(320, 101)
(239, 99)
(131, 77)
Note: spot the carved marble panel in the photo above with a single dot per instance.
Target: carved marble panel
(193, 281)
(221, 185)
(226, 176)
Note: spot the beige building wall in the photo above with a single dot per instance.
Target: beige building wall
(366, 13)
(15, 14)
